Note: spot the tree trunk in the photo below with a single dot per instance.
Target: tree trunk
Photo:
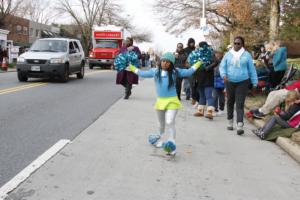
(274, 19)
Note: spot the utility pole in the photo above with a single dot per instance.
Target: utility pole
(203, 26)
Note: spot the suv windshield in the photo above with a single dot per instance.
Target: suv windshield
(49, 46)
(106, 44)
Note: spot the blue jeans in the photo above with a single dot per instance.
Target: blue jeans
(205, 96)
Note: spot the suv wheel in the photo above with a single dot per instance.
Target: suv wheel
(22, 77)
(65, 75)
(91, 66)
(80, 75)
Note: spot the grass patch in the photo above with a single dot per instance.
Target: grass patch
(255, 101)
(295, 61)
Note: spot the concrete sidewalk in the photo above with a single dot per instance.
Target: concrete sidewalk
(111, 160)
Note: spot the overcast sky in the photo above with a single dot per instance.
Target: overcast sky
(142, 15)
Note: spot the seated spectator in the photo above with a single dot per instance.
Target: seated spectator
(275, 98)
(290, 118)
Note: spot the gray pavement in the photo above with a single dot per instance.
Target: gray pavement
(112, 160)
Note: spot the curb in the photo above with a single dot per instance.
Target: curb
(9, 70)
(291, 147)
(288, 145)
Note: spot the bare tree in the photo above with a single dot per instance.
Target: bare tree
(41, 11)
(84, 13)
(11, 7)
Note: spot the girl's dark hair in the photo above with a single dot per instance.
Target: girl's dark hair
(240, 38)
(170, 74)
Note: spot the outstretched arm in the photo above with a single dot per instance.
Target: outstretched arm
(145, 74)
(190, 71)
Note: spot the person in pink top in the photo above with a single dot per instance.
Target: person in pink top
(275, 98)
(290, 118)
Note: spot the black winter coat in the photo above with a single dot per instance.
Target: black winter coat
(181, 60)
(205, 76)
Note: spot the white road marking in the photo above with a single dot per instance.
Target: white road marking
(36, 164)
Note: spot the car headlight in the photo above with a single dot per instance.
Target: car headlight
(20, 60)
(56, 60)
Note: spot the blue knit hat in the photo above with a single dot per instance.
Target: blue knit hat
(169, 57)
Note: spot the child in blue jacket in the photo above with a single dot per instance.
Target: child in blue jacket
(167, 103)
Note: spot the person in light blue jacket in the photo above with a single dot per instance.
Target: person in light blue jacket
(237, 70)
(167, 103)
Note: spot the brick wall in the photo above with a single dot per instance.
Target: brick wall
(18, 30)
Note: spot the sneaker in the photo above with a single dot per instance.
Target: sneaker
(258, 115)
(153, 138)
(220, 113)
(173, 153)
(259, 133)
(169, 147)
(240, 129)
(159, 144)
(230, 125)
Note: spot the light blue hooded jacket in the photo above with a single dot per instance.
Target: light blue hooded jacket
(238, 72)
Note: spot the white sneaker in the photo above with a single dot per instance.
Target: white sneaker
(221, 113)
(173, 153)
(159, 144)
(230, 125)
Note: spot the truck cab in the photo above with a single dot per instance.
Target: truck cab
(106, 43)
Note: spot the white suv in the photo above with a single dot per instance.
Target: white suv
(52, 57)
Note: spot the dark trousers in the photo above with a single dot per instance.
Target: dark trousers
(276, 77)
(219, 98)
(236, 94)
(272, 122)
(178, 87)
(127, 86)
(194, 89)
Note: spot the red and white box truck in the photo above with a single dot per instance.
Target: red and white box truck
(106, 43)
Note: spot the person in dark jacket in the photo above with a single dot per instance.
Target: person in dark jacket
(205, 83)
(180, 62)
(219, 86)
(189, 84)
(127, 78)
(290, 118)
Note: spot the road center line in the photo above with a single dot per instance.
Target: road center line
(19, 88)
(36, 164)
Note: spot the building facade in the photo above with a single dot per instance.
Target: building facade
(18, 30)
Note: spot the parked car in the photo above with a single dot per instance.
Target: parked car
(52, 57)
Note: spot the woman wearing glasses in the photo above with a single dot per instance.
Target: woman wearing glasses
(237, 70)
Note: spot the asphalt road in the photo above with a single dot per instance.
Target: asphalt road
(36, 114)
